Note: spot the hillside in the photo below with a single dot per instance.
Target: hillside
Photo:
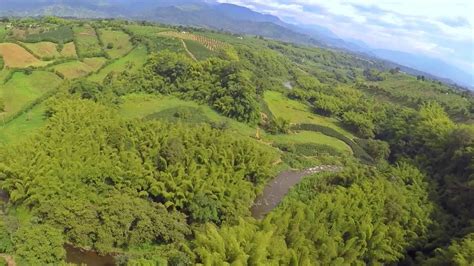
(135, 143)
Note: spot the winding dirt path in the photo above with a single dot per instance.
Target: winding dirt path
(187, 50)
(281, 185)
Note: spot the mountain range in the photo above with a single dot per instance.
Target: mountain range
(235, 19)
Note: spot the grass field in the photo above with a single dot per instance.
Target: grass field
(3, 74)
(77, 69)
(408, 91)
(95, 63)
(22, 89)
(304, 137)
(136, 58)
(297, 112)
(87, 44)
(142, 105)
(120, 41)
(16, 56)
(69, 50)
(23, 125)
(43, 49)
(3, 32)
(198, 50)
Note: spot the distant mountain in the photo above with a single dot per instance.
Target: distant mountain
(427, 64)
(227, 17)
(230, 18)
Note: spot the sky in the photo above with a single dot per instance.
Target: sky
(442, 29)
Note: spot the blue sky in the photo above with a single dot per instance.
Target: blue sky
(441, 29)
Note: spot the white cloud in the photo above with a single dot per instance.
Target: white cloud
(431, 27)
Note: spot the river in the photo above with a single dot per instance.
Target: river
(85, 257)
(280, 186)
(264, 203)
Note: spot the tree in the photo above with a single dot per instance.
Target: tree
(460, 252)
(39, 244)
(359, 123)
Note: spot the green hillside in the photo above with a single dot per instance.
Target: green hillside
(133, 143)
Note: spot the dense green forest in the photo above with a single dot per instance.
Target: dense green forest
(150, 144)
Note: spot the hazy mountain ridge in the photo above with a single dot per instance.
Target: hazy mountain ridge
(232, 18)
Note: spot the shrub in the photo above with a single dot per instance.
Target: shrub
(377, 149)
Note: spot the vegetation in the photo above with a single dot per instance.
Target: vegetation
(130, 147)
(86, 42)
(117, 43)
(62, 34)
(15, 56)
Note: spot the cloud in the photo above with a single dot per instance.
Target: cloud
(456, 22)
(435, 28)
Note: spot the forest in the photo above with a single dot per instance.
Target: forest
(149, 144)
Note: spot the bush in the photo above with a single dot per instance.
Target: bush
(39, 245)
(313, 149)
(359, 123)
(377, 149)
(278, 126)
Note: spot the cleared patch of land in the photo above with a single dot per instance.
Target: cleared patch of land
(23, 89)
(77, 69)
(16, 56)
(131, 62)
(298, 113)
(117, 43)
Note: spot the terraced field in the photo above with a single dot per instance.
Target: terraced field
(117, 43)
(16, 56)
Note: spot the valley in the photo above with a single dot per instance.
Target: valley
(135, 143)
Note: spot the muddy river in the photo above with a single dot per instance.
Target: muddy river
(85, 257)
(279, 187)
